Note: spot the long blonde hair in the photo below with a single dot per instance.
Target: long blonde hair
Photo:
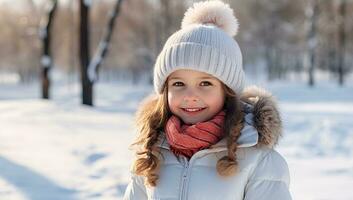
(151, 121)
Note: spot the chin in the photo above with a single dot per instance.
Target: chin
(192, 121)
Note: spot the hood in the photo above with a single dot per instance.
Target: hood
(262, 122)
(266, 117)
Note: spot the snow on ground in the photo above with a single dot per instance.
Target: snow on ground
(59, 149)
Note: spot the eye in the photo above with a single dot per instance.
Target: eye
(205, 83)
(178, 84)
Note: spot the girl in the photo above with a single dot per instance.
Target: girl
(203, 136)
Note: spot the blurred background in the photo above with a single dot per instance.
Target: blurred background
(73, 72)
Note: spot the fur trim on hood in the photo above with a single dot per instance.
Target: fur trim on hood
(266, 118)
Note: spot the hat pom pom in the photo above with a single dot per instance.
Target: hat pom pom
(212, 12)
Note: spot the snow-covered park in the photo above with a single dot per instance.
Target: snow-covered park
(62, 149)
(59, 149)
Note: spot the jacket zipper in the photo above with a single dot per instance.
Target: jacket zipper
(184, 180)
(186, 164)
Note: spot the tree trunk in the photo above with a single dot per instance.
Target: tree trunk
(312, 14)
(46, 60)
(341, 41)
(87, 86)
(102, 49)
(270, 47)
(269, 57)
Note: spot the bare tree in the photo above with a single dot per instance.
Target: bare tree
(341, 41)
(275, 38)
(102, 49)
(312, 15)
(46, 60)
(89, 68)
(84, 52)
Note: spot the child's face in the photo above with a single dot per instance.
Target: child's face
(194, 96)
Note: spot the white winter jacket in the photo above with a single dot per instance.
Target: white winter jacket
(263, 173)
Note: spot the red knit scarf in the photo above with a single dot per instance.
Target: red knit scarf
(188, 139)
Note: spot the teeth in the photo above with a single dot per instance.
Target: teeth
(193, 109)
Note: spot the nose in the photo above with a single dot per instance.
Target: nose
(190, 97)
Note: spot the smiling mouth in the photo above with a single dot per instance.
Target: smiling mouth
(192, 110)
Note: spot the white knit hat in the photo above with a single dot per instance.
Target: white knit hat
(204, 43)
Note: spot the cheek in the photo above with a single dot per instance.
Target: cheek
(216, 100)
(173, 101)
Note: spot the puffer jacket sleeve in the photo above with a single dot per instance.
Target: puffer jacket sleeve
(136, 189)
(270, 179)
